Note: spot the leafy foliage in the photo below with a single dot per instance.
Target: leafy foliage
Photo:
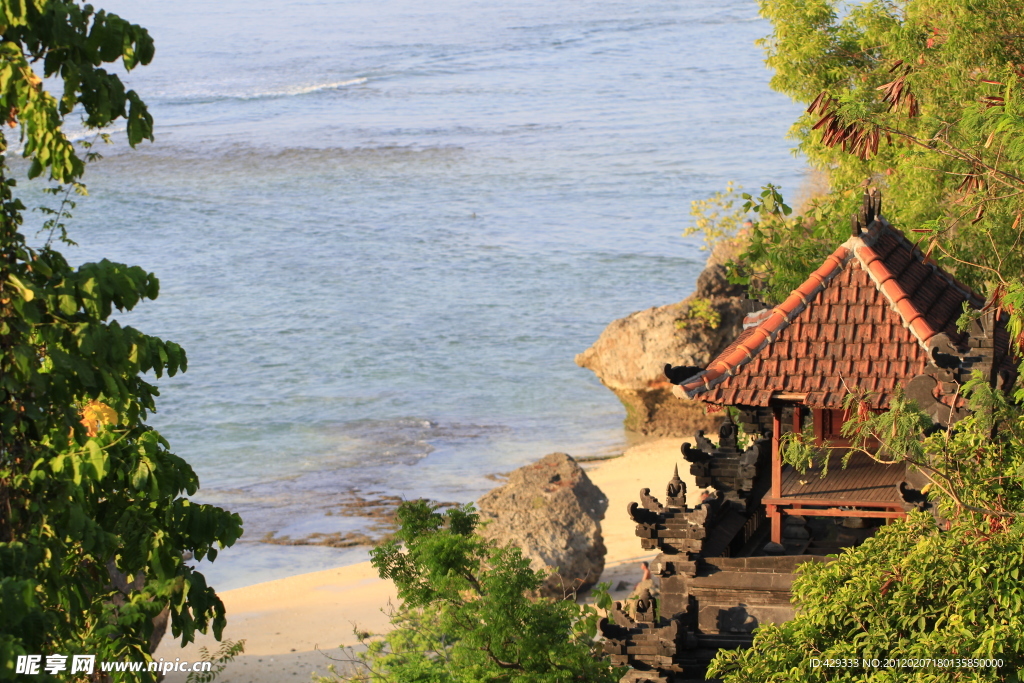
(72, 42)
(915, 590)
(88, 492)
(977, 466)
(921, 98)
(225, 654)
(798, 450)
(702, 312)
(717, 218)
(776, 233)
(467, 614)
(908, 593)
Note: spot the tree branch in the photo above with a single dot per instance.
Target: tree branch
(960, 156)
(504, 665)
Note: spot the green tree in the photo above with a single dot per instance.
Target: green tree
(87, 489)
(467, 615)
(920, 98)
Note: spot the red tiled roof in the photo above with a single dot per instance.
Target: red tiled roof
(867, 318)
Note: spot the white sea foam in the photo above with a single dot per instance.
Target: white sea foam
(320, 87)
(205, 95)
(304, 89)
(74, 133)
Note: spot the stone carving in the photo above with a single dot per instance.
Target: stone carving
(937, 390)
(731, 471)
(673, 637)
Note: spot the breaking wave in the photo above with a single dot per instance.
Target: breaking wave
(274, 94)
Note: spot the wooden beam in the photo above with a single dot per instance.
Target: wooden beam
(789, 396)
(832, 502)
(776, 453)
(835, 512)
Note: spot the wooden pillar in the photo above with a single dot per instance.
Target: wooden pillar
(773, 514)
(773, 510)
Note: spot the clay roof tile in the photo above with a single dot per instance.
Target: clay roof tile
(864, 316)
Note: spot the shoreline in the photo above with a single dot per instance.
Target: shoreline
(293, 625)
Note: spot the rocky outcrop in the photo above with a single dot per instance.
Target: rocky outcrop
(553, 512)
(630, 355)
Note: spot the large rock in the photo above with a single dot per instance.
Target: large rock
(553, 512)
(630, 355)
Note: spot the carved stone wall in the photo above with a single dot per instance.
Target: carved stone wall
(707, 602)
(732, 472)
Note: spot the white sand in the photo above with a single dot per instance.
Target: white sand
(286, 622)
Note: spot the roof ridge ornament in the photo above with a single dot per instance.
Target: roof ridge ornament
(870, 210)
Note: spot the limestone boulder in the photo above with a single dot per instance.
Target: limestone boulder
(552, 511)
(630, 355)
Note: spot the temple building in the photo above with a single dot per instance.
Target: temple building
(876, 316)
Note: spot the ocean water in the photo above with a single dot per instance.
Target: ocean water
(384, 229)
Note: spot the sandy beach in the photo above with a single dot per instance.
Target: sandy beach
(293, 626)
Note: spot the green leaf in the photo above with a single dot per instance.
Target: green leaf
(97, 460)
(27, 292)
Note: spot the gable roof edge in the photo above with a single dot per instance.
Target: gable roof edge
(888, 285)
(899, 301)
(765, 333)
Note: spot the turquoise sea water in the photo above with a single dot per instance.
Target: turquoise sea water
(384, 229)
